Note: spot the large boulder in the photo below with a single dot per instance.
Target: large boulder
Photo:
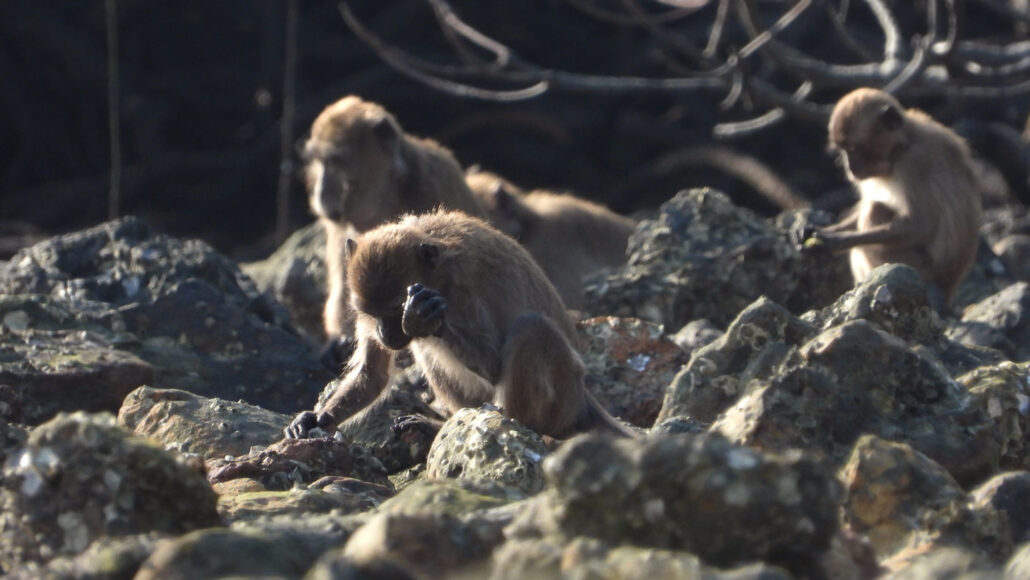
(178, 305)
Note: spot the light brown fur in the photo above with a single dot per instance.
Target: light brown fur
(485, 325)
(363, 170)
(920, 198)
(569, 237)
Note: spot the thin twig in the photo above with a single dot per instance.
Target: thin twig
(282, 196)
(114, 195)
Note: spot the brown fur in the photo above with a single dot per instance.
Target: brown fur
(504, 337)
(363, 170)
(569, 237)
(920, 199)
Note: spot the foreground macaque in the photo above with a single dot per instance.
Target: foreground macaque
(481, 319)
(362, 170)
(569, 237)
(919, 197)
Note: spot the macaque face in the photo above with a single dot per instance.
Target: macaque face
(866, 128)
(351, 161)
(388, 315)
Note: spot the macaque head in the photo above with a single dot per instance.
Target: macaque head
(502, 201)
(354, 164)
(866, 127)
(381, 265)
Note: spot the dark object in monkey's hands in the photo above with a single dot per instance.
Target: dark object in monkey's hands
(423, 312)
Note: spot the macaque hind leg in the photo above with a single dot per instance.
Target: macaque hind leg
(541, 382)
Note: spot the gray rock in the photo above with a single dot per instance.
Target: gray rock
(214, 428)
(591, 558)
(482, 445)
(1001, 321)
(907, 504)
(855, 379)
(1018, 566)
(1014, 253)
(696, 334)
(629, 362)
(342, 495)
(1008, 493)
(948, 562)
(372, 428)
(80, 477)
(221, 552)
(290, 461)
(1002, 393)
(702, 257)
(696, 493)
(295, 275)
(114, 558)
(893, 298)
(761, 337)
(183, 308)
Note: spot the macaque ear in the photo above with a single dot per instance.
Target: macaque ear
(428, 254)
(351, 247)
(891, 118)
(386, 131)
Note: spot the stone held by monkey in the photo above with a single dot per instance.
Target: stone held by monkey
(919, 196)
(483, 323)
(363, 170)
(569, 237)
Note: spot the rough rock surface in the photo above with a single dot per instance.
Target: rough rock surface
(698, 493)
(295, 276)
(343, 495)
(907, 504)
(629, 363)
(1000, 321)
(214, 428)
(80, 478)
(55, 358)
(177, 304)
(482, 445)
(702, 257)
(592, 558)
(221, 552)
(290, 461)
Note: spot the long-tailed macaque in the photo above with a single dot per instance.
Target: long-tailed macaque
(482, 321)
(569, 237)
(363, 170)
(919, 196)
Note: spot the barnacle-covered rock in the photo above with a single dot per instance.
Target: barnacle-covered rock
(190, 423)
(702, 257)
(291, 461)
(696, 493)
(906, 503)
(629, 362)
(482, 445)
(1000, 321)
(295, 275)
(177, 304)
(80, 477)
(758, 340)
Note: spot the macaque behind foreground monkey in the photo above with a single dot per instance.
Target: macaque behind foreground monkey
(919, 196)
(568, 236)
(363, 170)
(482, 321)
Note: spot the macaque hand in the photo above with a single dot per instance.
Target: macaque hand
(306, 423)
(423, 312)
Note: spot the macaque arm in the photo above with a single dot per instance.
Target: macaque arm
(367, 375)
(897, 233)
(849, 222)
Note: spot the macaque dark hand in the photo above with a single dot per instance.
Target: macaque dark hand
(411, 423)
(423, 312)
(306, 422)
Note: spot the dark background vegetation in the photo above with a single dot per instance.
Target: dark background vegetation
(201, 98)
